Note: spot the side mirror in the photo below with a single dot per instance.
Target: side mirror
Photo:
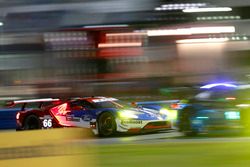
(77, 108)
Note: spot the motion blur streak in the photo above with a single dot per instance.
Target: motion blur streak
(105, 26)
(125, 34)
(203, 40)
(192, 30)
(218, 84)
(184, 5)
(110, 45)
(193, 10)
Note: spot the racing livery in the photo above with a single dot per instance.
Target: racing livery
(218, 108)
(104, 115)
(167, 107)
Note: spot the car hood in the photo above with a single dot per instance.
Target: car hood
(147, 114)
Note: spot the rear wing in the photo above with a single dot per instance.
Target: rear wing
(24, 102)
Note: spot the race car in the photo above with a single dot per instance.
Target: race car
(104, 115)
(219, 108)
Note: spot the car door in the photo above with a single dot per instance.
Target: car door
(80, 113)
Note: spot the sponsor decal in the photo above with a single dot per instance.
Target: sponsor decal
(86, 118)
(72, 118)
(46, 117)
(131, 122)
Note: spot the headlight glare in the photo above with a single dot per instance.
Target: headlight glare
(171, 114)
(164, 111)
(127, 114)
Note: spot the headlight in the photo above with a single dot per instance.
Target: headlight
(164, 111)
(127, 114)
(171, 114)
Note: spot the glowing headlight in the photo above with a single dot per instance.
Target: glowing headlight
(127, 114)
(171, 114)
(164, 111)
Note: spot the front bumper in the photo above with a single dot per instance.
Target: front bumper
(136, 126)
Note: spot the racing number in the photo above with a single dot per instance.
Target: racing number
(47, 123)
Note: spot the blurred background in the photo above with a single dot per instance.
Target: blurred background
(121, 48)
(129, 49)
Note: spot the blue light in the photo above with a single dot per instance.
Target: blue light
(218, 84)
(202, 117)
(232, 115)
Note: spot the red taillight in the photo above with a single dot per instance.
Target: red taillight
(175, 106)
(18, 115)
(60, 110)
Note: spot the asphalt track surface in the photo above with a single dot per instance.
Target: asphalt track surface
(137, 138)
(165, 136)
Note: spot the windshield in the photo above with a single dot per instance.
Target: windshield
(112, 104)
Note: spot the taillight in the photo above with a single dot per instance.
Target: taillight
(18, 115)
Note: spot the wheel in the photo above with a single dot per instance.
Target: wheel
(185, 123)
(31, 122)
(106, 124)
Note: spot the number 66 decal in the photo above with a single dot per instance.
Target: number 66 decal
(47, 123)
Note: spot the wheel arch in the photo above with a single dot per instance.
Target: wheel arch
(106, 111)
(32, 113)
(98, 117)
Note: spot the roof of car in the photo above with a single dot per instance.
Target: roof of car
(95, 98)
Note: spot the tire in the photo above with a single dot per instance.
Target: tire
(31, 122)
(186, 124)
(106, 124)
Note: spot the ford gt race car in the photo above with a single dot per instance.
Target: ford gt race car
(105, 116)
(218, 108)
